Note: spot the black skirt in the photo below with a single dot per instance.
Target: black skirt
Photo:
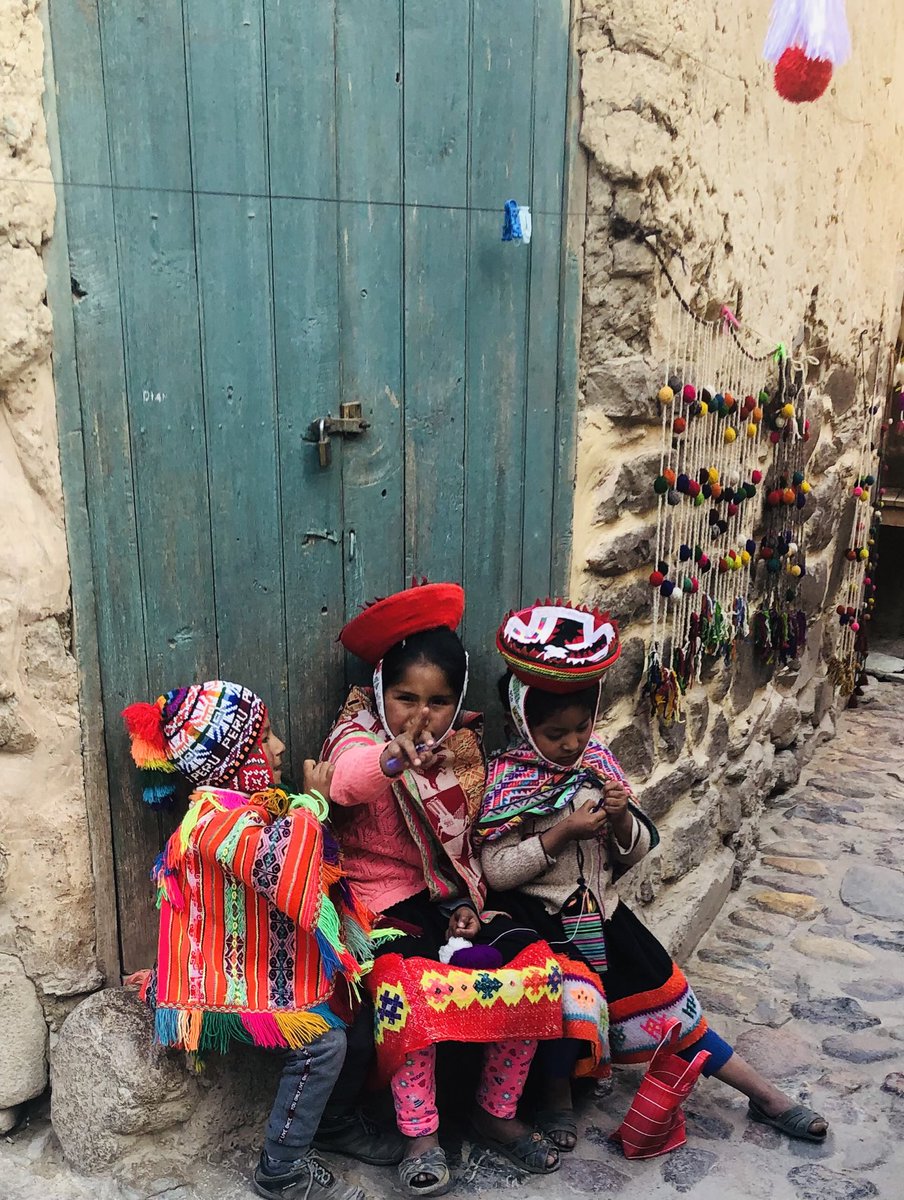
(644, 987)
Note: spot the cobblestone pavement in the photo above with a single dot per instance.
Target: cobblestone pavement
(804, 970)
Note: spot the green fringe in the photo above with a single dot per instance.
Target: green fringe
(220, 1030)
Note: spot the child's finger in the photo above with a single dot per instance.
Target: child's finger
(408, 750)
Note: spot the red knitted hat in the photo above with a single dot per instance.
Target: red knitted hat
(558, 647)
(385, 623)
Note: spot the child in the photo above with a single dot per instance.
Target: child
(255, 929)
(556, 827)
(409, 773)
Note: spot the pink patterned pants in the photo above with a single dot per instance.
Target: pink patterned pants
(505, 1067)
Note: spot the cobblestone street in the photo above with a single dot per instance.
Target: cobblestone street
(803, 970)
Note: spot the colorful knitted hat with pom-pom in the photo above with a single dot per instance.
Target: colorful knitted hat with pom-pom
(209, 733)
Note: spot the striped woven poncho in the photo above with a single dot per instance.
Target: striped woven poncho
(258, 925)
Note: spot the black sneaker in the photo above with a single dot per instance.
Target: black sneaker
(304, 1179)
(358, 1137)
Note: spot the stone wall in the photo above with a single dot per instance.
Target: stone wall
(792, 216)
(47, 931)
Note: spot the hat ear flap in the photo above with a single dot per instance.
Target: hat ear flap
(144, 723)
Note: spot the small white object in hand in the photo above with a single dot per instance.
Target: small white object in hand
(451, 947)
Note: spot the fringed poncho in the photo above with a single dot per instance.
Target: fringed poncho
(257, 924)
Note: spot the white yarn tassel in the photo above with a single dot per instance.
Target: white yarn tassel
(819, 27)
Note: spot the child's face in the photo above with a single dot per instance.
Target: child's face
(563, 737)
(422, 686)
(274, 750)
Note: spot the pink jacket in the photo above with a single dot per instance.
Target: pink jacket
(379, 854)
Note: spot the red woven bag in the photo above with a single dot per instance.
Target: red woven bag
(655, 1121)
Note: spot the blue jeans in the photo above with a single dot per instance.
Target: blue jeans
(307, 1079)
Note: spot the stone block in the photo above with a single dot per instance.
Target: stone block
(104, 1065)
(657, 798)
(785, 724)
(631, 490)
(626, 552)
(690, 835)
(23, 1046)
(841, 387)
(146, 1107)
(874, 891)
(624, 389)
(633, 747)
(684, 912)
(776, 1053)
(630, 598)
(632, 260)
(624, 677)
(787, 770)
(672, 739)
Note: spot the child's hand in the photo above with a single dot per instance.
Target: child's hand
(402, 752)
(615, 798)
(615, 803)
(317, 776)
(464, 923)
(589, 821)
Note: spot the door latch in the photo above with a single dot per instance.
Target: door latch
(349, 423)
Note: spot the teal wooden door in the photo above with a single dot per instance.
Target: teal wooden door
(274, 207)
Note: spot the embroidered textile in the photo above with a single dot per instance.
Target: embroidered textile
(257, 924)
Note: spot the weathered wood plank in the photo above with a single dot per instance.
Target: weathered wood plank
(368, 97)
(158, 285)
(81, 567)
(108, 461)
(500, 151)
(302, 136)
(435, 176)
(232, 222)
(541, 481)
(571, 280)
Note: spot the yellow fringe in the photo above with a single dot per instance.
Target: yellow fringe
(300, 1029)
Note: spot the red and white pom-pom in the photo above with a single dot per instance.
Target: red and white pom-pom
(807, 39)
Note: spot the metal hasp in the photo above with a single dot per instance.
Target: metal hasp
(349, 423)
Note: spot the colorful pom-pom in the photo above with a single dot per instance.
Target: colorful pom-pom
(789, 496)
(667, 587)
(669, 476)
(689, 393)
(800, 79)
(774, 498)
(730, 434)
(666, 395)
(756, 476)
(679, 425)
(660, 485)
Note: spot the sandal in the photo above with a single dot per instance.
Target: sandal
(530, 1151)
(431, 1163)
(556, 1123)
(795, 1121)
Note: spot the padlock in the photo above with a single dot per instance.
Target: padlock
(324, 449)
